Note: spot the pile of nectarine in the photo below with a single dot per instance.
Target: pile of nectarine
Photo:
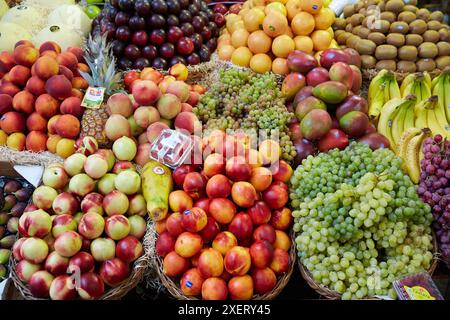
(83, 230)
(40, 97)
(228, 234)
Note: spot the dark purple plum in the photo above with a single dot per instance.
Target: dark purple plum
(204, 16)
(187, 29)
(219, 19)
(173, 6)
(125, 63)
(198, 23)
(206, 33)
(123, 33)
(149, 52)
(197, 39)
(140, 38)
(118, 47)
(132, 52)
(177, 59)
(137, 23)
(143, 7)
(115, 3)
(209, 14)
(212, 44)
(109, 29)
(194, 9)
(185, 16)
(159, 6)
(141, 63)
(110, 13)
(214, 30)
(158, 37)
(156, 21)
(126, 5)
(193, 59)
(167, 51)
(204, 53)
(160, 63)
(172, 20)
(174, 34)
(122, 19)
(183, 4)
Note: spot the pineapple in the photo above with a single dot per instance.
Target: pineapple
(102, 63)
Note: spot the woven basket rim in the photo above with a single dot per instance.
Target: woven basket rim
(282, 280)
(333, 295)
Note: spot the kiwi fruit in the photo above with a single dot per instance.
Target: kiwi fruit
(425, 65)
(444, 34)
(371, 2)
(365, 46)
(362, 11)
(342, 38)
(352, 41)
(431, 36)
(349, 10)
(377, 37)
(414, 39)
(388, 16)
(437, 16)
(349, 27)
(408, 53)
(339, 23)
(428, 50)
(380, 26)
(406, 66)
(359, 5)
(395, 6)
(368, 62)
(355, 30)
(395, 39)
(386, 64)
(434, 25)
(407, 16)
(443, 48)
(363, 32)
(356, 19)
(371, 11)
(423, 14)
(381, 5)
(386, 52)
(418, 26)
(399, 27)
(442, 62)
(411, 8)
(410, 2)
(338, 32)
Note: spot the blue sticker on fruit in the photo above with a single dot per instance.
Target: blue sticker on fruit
(186, 212)
(188, 284)
(315, 6)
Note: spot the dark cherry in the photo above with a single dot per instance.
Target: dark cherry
(160, 63)
(137, 23)
(132, 52)
(197, 39)
(220, 8)
(204, 53)
(159, 6)
(187, 29)
(172, 20)
(206, 33)
(141, 63)
(156, 21)
(158, 37)
(123, 33)
(219, 19)
(185, 16)
(193, 59)
(204, 16)
(209, 13)
(140, 38)
(194, 9)
(122, 19)
(167, 51)
(214, 30)
(185, 46)
(118, 47)
(125, 63)
(212, 44)
(126, 5)
(174, 34)
(150, 52)
(143, 7)
(173, 6)
(198, 23)
(177, 59)
(183, 4)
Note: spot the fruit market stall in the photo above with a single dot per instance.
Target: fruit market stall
(244, 150)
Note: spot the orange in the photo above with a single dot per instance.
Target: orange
(280, 66)
(293, 7)
(225, 52)
(303, 24)
(282, 46)
(261, 63)
(312, 6)
(321, 40)
(259, 42)
(241, 56)
(276, 6)
(239, 38)
(254, 19)
(275, 24)
(324, 19)
(304, 43)
(289, 33)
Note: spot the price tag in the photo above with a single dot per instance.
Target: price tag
(418, 293)
(93, 98)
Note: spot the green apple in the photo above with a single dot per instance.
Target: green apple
(93, 11)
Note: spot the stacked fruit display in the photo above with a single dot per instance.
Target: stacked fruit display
(40, 97)
(395, 35)
(227, 235)
(160, 33)
(359, 221)
(14, 195)
(325, 102)
(68, 248)
(434, 188)
(262, 29)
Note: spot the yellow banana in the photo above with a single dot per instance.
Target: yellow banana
(435, 81)
(412, 157)
(394, 90)
(410, 89)
(436, 119)
(375, 84)
(425, 90)
(387, 115)
(398, 122)
(427, 78)
(404, 141)
(408, 79)
(420, 115)
(376, 105)
(442, 90)
(445, 86)
(409, 117)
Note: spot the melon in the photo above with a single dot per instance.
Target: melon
(3, 7)
(27, 17)
(72, 16)
(10, 33)
(62, 34)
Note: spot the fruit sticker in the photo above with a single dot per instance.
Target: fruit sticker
(93, 98)
(158, 170)
(418, 293)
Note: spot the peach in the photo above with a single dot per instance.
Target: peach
(25, 55)
(142, 139)
(72, 106)
(103, 249)
(62, 288)
(5, 104)
(12, 122)
(52, 142)
(36, 86)
(36, 122)
(138, 226)
(237, 169)
(259, 213)
(264, 232)
(194, 220)
(106, 183)
(26, 269)
(280, 261)
(174, 224)
(115, 203)
(48, 53)
(186, 107)
(145, 116)
(65, 148)
(55, 176)
(179, 201)
(137, 206)
(46, 67)
(68, 243)
(63, 223)
(151, 74)
(261, 178)
(210, 263)
(191, 282)
(117, 227)
(56, 264)
(36, 141)
(25, 43)
(160, 226)
(51, 125)
(261, 253)
(179, 89)
(276, 197)
(154, 130)
(81, 184)
(194, 185)
(79, 83)
(174, 265)
(34, 250)
(145, 92)
(165, 244)
(24, 102)
(66, 204)
(6, 61)
(50, 45)
(43, 197)
(124, 148)
(16, 249)
(188, 244)
(282, 171)
(243, 194)
(241, 287)
(116, 127)
(35, 224)
(143, 153)
(241, 226)
(224, 242)
(204, 204)
(95, 166)
(19, 75)
(77, 94)
(282, 241)
(214, 164)
(92, 203)
(59, 87)
(74, 164)
(66, 72)
(109, 157)
(281, 219)
(222, 209)
(194, 98)
(40, 283)
(123, 166)
(68, 59)
(129, 249)
(91, 225)
(214, 289)
(87, 145)
(68, 126)
(270, 151)
(210, 231)
(188, 122)
(169, 106)
(91, 286)
(264, 280)
(78, 52)
(179, 71)
(9, 88)
(82, 67)
(119, 103)
(164, 84)
(47, 106)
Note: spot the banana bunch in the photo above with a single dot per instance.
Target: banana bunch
(409, 148)
(441, 88)
(383, 87)
(396, 116)
(430, 114)
(418, 84)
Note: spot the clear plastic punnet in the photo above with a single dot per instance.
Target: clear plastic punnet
(171, 148)
(418, 286)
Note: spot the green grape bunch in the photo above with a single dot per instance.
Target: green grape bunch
(359, 222)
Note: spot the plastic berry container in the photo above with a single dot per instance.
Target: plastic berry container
(171, 148)
(419, 286)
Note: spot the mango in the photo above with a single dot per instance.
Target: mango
(354, 123)
(315, 124)
(292, 84)
(331, 92)
(305, 106)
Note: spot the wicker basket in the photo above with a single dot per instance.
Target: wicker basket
(333, 295)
